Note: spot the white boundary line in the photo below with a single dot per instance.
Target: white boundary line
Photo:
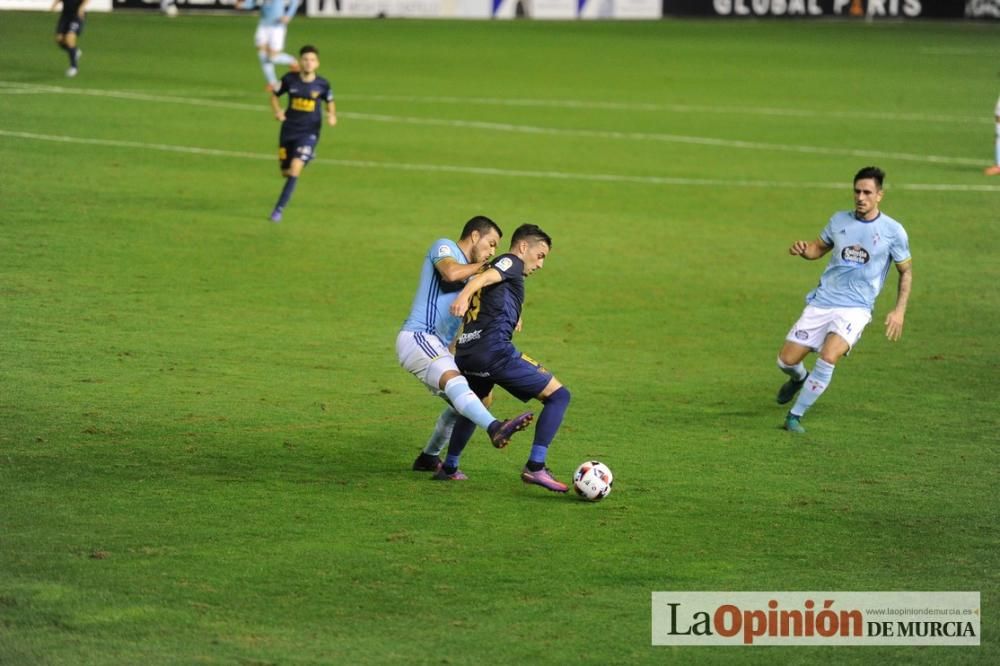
(550, 131)
(490, 171)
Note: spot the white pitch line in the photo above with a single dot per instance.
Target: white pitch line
(549, 131)
(669, 138)
(491, 171)
(676, 108)
(593, 104)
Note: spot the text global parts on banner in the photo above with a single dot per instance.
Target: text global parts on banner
(816, 618)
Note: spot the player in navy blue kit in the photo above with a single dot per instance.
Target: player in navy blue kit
(68, 30)
(491, 304)
(301, 121)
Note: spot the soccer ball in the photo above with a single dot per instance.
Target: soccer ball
(593, 480)
(171, 10)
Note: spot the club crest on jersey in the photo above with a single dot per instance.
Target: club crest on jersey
(314, 93)
(504, 264)
(855, 254)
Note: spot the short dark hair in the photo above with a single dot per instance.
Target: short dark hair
(530, 232)
(308, 48)
(482, 224)
(872, 172)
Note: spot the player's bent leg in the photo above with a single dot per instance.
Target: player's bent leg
(69, 45)
(556, 398)
(790, 359)
(429, 459)
(468, 403)
(834, 347)
(279, 57)
(460, 394)
(291, 180)
(267, 67)
(501, 432)
(460, 436)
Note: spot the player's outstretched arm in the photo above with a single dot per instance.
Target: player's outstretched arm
(809, 249)
(894, 320)
(461, 303)
(452, 271)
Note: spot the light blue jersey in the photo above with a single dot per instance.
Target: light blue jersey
(429, 313)
(859, 261)
(271, 11)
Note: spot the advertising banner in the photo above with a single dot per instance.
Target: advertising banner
(988, 9)
(400, 8)
(488, 9)
(860, 9)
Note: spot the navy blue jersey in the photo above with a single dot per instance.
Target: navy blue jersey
(303, 115)
(493, 313)
(70, 8)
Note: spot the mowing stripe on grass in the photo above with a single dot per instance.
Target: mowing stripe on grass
(538, 130)
(487, 171)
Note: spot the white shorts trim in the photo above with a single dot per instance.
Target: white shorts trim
(816, 323)
(425, 356)
(271, 36)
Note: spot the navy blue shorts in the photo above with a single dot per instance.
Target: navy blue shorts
(523, 377)
(68, 24)
(302, 147)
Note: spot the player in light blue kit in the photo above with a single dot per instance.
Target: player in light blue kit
(275, 15)
(864, 243)
(424, 345)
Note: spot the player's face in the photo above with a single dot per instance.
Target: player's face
(535, 256)
(867, 196)
(309, 62)
(485, 247)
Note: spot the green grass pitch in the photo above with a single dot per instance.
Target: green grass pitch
(205, 437)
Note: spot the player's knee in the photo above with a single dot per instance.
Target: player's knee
(830, 357)
(560, 395)
(446, 377)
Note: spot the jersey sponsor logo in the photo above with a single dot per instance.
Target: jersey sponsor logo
(470, 336)
(301, 104)
(444, 251)
(855, 254)
(504, 264)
